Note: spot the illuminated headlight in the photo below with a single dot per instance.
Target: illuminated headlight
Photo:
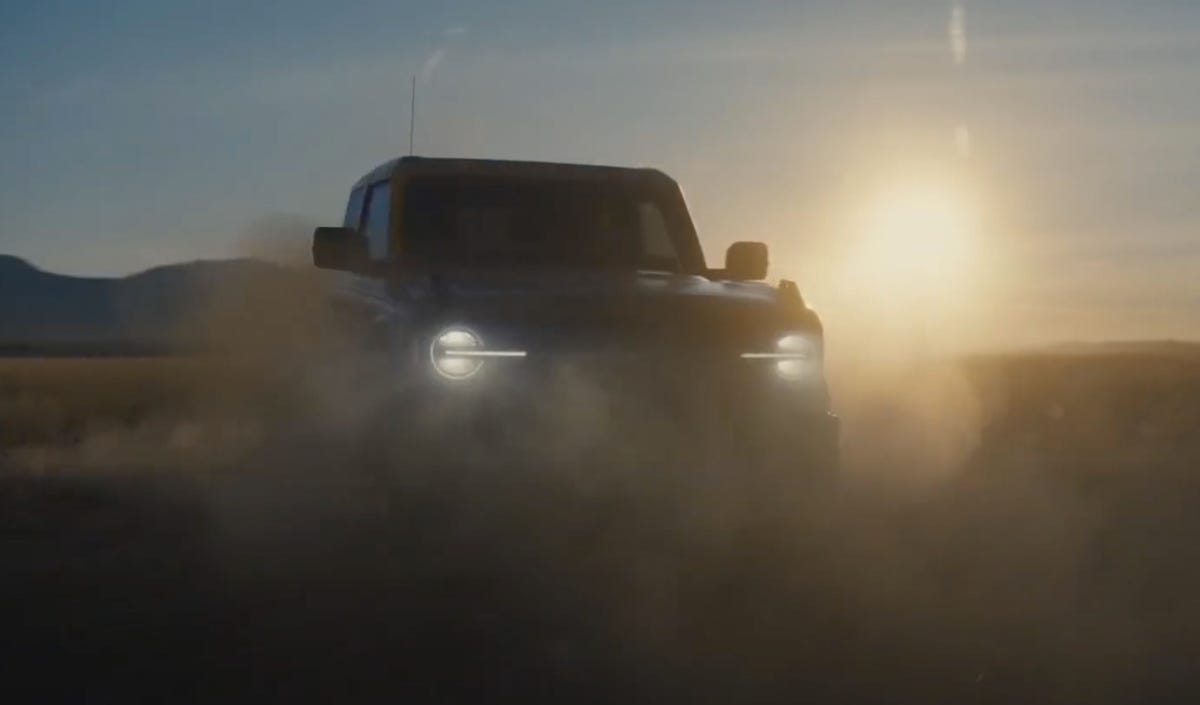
(796, 357)
(458, 353)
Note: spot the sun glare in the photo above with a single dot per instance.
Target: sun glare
(915, 240)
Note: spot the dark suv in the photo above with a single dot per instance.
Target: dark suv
(487, 282)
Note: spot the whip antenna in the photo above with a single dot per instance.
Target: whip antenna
(412, 114)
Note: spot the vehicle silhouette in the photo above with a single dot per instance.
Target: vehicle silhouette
(484, 280)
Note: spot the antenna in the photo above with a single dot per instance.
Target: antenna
(412, 115)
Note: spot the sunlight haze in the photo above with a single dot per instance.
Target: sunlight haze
(1025, 169)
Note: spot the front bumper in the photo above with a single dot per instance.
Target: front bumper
(634, 406)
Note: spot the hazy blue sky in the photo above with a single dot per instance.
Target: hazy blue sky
(142, 132)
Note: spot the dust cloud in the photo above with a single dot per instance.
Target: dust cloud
(590, 566)
(351, 547)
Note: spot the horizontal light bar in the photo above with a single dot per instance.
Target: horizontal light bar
(775, 356)
(483, 353)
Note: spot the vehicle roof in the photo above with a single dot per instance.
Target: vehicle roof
(429, 166)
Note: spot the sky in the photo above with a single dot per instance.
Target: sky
(146, 132)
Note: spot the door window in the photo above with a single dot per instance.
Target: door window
(375, 225)
(354, 209)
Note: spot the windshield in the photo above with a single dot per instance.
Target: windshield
(480, 221)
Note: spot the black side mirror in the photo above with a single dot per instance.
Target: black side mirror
(339, 248)
(745, 261)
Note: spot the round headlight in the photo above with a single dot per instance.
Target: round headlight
(798, 357)
(451, 355)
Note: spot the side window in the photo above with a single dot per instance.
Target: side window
(375, 224)
(354, 209)
(656, 237)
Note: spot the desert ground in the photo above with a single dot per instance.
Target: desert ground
(1017, 527)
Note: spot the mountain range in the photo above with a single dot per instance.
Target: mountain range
(42, 312)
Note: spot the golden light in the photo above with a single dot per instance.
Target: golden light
(915, 240)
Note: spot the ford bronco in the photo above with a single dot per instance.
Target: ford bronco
(482, 278)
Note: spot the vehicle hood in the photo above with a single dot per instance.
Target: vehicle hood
(598, 308)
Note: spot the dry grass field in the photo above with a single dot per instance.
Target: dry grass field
(1098, 403)
(1010, 528)
(55, 401)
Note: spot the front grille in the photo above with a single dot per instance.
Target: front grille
(639, 372)
(663, 384)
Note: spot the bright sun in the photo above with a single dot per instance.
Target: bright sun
(915, 241)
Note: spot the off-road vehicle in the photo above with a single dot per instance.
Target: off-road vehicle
(484, 280)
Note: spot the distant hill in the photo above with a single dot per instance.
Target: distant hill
(1132, 347)
(42, 312)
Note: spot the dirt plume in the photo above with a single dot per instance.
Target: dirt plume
(339, 549)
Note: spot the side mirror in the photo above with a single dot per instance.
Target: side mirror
(339, 248)
(746, 261)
